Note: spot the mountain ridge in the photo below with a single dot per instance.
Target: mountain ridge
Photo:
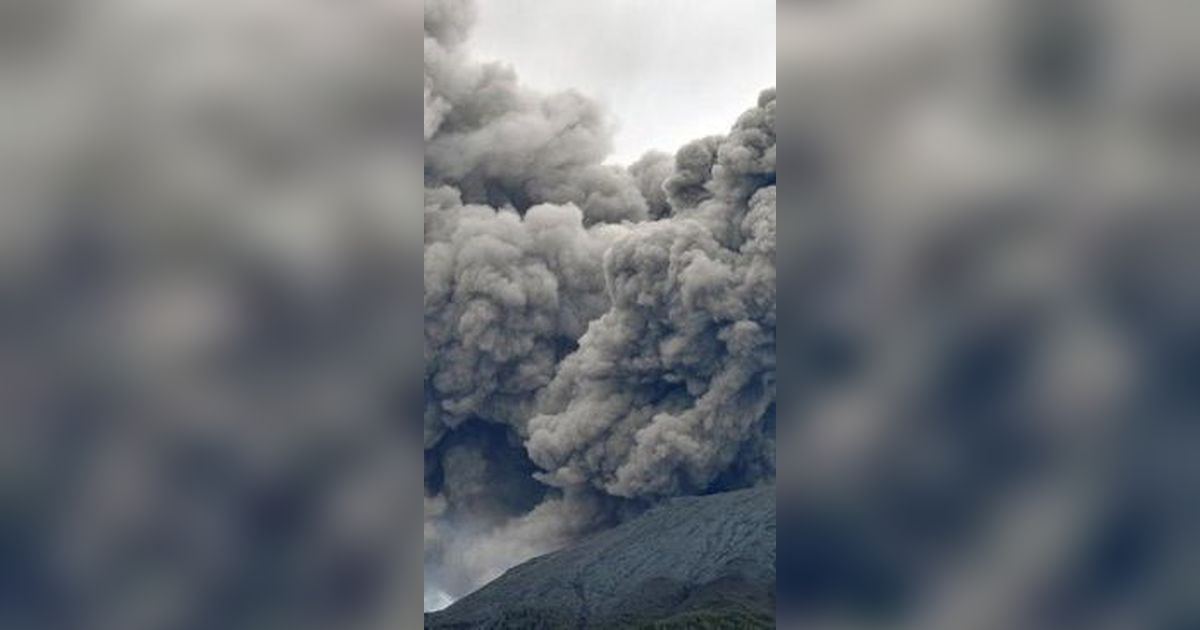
(691, 562)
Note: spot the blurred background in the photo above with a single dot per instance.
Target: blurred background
(209, 337)
(989, 282)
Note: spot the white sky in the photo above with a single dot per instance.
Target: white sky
(670, 70)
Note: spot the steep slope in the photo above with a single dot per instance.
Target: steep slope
(691, 562)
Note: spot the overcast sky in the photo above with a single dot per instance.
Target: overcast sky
(671, 70)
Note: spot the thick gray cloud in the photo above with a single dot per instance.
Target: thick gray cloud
(669, 384)
(651, 172)
(505, 298)
(613, 358)
(500, 143)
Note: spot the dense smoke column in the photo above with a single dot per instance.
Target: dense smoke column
(651, 172)
(666, 386)
(501, 144)
(505, 296)
(574, 308)
(517, 212)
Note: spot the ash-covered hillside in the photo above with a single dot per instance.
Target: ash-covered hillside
(690, 562)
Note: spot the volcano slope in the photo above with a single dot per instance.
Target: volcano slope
(691, 562)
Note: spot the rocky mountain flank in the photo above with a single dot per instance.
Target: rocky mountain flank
(692, 562)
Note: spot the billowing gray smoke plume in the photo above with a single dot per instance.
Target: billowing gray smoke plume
(669, 385)
(596, 338)
(501, 144)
